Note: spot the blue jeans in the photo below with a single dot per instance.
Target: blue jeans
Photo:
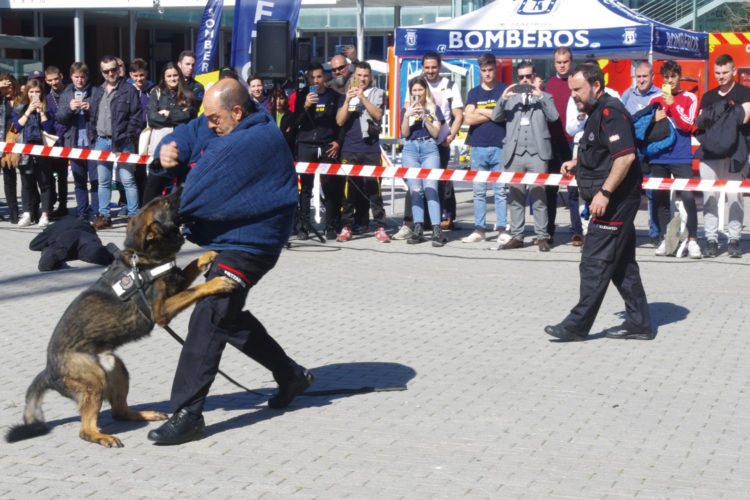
(422, 154)
(104, 173)
(488, 158)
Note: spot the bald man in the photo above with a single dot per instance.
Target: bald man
(241, 195)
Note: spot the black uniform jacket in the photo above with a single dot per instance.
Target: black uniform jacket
(608, 134)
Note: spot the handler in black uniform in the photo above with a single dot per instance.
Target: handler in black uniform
(609, 178)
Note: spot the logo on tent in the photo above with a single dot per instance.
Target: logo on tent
(628, 38)
(411, 38)
(534, 7)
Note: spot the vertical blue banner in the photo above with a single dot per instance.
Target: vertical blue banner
(249, 12)
(208, 37)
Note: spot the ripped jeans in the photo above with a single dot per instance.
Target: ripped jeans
(422, 154)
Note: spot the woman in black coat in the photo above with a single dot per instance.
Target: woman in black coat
(170, 103)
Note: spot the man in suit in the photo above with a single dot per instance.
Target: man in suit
(527, 148)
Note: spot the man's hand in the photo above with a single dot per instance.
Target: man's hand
(350, 52)
(168, 155)
(354, 92)
(568, 168)
(333, 149)
(598, 205)
(311, 99)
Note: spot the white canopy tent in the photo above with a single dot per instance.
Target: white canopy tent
(533, 28)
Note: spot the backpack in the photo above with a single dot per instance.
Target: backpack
(653, 137)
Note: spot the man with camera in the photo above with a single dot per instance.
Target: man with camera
(527, 148)
(317, 141)
(359, 114)
(76, 111)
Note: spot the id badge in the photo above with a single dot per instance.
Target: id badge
(525, 121)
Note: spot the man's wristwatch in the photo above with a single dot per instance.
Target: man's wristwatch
(607, 194)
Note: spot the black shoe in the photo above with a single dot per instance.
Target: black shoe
(562, 333)
(359, 230)
(417, 235)
(438, 239)
(544, 245)
(302, 235)
(181, 427)
(291, 389)
(60, 212)
(733, 249)
(331, 234)
(712, 248)
(655, 240)
(622, 332)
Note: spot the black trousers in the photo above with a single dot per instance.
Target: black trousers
(220, 319)
(661, 197)
(362, 194)
(59, 166)
(75, 244)
(333, 188)
(445, 188)
(609, 255)
(155, 186)
(10, 185)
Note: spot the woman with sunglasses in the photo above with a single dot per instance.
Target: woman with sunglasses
(420, 126)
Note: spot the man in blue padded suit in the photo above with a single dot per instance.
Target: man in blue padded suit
(241, 194)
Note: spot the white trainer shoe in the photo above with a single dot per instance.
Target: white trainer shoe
(474, 237)
(694, 250)
(661, 250)
(43, 221)
(502, 239)
(404, 232)
(25, 220)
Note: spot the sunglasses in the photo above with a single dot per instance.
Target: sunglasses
(110, 70)
(526, 77)
(342, 67)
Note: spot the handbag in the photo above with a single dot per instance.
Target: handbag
(49, 139)
(11, 160)
(144, 140)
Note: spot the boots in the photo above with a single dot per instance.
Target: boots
(417, 234)
(438, 239)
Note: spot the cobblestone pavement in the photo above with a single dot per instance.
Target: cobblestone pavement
(493, 409)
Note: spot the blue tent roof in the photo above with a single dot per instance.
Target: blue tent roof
(533, 28)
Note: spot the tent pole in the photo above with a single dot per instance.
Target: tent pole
(361, 30)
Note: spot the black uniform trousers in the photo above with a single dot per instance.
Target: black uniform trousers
(333, 188)
(445, 188)
(220, 319)
(59, 166)
(362, 194)
(609, 255)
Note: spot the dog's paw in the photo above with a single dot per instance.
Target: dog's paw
(222, 284)
(206, 259)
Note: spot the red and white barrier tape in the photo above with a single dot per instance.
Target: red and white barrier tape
(397, 172)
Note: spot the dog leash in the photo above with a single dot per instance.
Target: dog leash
(174, 335)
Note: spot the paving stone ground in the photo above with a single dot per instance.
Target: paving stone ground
(493, 409)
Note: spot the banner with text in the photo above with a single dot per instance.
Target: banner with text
(208, 37)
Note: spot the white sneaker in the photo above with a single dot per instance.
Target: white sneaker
(502, 239)
(474, 237)
(694, 250)
(404, 232)
(43, 221)
(25, 220)
(661, 250)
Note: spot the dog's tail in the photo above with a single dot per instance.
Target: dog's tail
(33, 417)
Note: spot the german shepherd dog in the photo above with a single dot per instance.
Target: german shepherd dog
(80, 361)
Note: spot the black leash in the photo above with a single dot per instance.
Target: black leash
(173, 334)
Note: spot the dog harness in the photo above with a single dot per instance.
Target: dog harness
(124, 282)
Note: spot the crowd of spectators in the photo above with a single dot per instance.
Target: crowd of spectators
(528, 126)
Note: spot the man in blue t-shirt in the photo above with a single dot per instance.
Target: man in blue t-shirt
(486, 139)
(360, 110)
